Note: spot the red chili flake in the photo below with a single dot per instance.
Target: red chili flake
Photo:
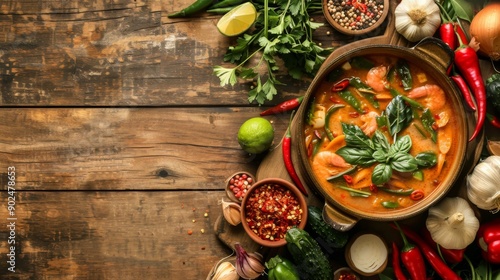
(348, 179)
(190, 232)
(354, 114)
(373, 188)
(340, 85)
(317, 134)
(335, 100)
(417, 195)
(437, 117)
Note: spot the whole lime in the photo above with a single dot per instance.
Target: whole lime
(256, 135)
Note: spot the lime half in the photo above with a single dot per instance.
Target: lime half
(238, 20)
(256, 135)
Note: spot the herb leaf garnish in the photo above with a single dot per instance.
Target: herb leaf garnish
(399, 115)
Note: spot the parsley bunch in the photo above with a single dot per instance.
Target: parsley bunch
(283, 32)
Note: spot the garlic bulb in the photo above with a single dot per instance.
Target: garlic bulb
(225, 271)
(417, 19)
(452, 223)
(483, 184)
(248, 265)
(231, 212)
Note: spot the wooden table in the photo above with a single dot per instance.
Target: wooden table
(120, 137)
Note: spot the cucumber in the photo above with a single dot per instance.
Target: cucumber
(310, 260)
(328, 237)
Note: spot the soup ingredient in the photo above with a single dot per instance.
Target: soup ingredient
(493, 91)
(464, 89)
(238, 20)
(271, 210)
(452, 223)
(195, 7)
(432, 257)
(396, 263)
(283, 35)
(256, 135)
(467, 62)
(280, 268)
(483, 184)
(489, 241)
(412, 258)
(417, 19)
(452, 256)
(248, 265)
(348, 97)
(284, 106)
(403, 71)
(225, 271)
(329, 113)
(286, 147)
(231, 212)
(485, 27)
(330, 237)
(306, 253)
(367, 254)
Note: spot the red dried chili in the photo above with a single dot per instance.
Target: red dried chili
(286, 147)
(283, 106)
(464, 89)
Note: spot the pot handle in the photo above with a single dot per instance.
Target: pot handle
(338, 220)
(438, 50)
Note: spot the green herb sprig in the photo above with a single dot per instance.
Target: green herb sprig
(283, 32)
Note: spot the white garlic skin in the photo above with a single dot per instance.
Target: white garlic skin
(483, 184)
(417, 19)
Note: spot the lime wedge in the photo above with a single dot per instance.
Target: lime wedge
(237, 20)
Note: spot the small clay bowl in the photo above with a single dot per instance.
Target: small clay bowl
(246, 201)
(344, 271)
(352, 32)
(229, 192)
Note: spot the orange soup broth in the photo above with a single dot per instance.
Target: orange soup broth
(433, 176)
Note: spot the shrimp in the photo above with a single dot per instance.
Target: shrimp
(328, 163)
(432, 96)
(377, 78)
(369, 123)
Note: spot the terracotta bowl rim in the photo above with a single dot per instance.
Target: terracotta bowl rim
(286, 184)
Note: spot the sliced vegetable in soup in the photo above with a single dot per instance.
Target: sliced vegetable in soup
(379, 133)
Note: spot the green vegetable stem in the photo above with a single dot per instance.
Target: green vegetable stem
(197, 6)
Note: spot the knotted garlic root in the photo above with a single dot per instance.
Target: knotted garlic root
(231, 212)
(248, 265)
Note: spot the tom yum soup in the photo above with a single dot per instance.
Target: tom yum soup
(379, 134)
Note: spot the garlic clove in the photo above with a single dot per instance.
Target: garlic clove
(248, 265)
(225, 271)
(231, 212)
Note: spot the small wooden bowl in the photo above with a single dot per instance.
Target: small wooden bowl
(348, 31)
(300, 198)
(229, 191)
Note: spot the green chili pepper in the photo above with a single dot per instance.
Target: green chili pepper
(280, 268)
(340, 174)
(408, 100)
(419, 175)
(226, 3)
(329, 113)
(365, 90)
(404, 74)
(396, 191)
(348, 97)
(197, 6)
(355, 192)
(220, 11)
(390, 204)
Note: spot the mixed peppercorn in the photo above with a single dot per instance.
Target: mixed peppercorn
(239, 184)
(355, 14)
(271, 210)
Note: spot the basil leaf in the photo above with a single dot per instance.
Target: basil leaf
(380, 141)
(355, 137)
(399, 115)
(380, 156)
(381, 174)
(404, 162)
(402, 145)
(428, 123)
(404, 74)
(356, 156)
(463, 9)
(426, 159)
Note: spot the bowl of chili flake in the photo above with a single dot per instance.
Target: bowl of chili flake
(271, 207)
(355, 17)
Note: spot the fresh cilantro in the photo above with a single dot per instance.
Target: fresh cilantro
(283, 35)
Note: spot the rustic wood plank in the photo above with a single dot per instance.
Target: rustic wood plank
(125, 148)
(112, 235)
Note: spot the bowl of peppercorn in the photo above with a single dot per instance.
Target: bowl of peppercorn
(238, 184)
(355, 17)
(270, 208)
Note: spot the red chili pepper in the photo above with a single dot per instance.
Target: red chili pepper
(464, 89)
(287, 158)
(396, 265)
(431, 255)
(283, 106)
(494, 121)
(447, 34)
(341, 85)
(488, 238)
(348, 179)
(412, 258)
(467, 63)
(417, 195)
(452, 256)
(461, 34)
